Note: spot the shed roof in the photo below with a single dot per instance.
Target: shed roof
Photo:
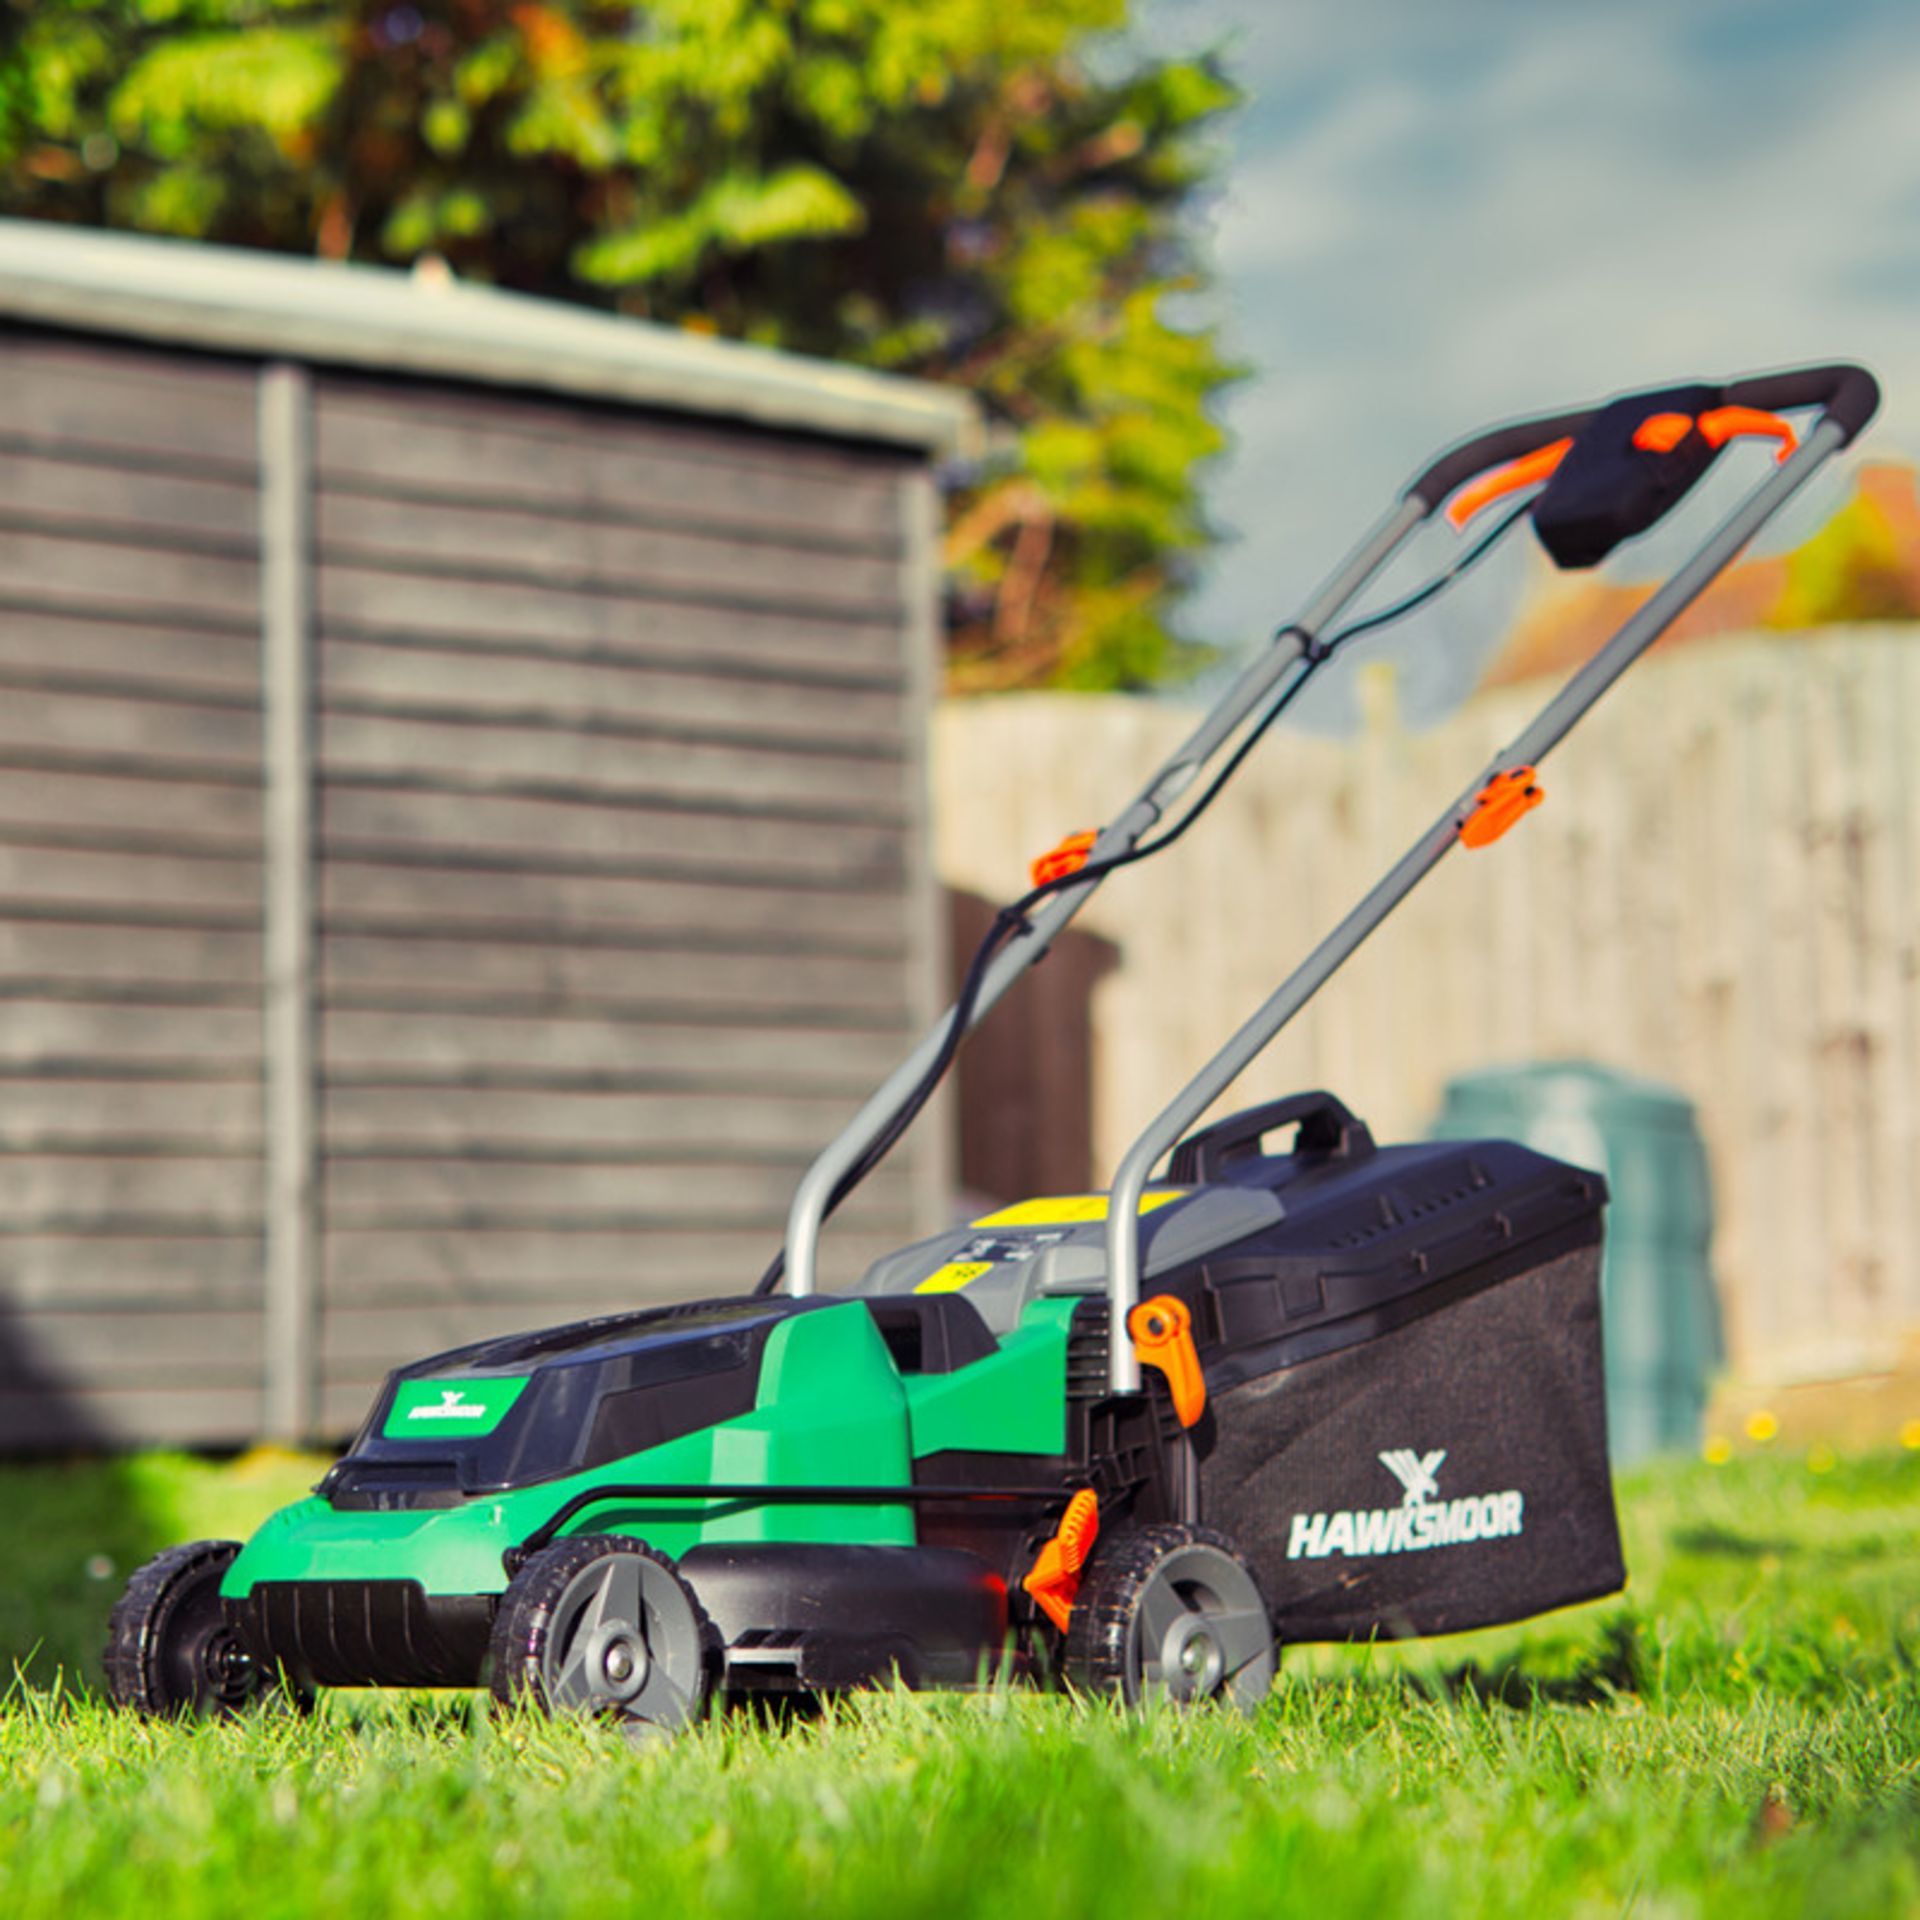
(238, 300)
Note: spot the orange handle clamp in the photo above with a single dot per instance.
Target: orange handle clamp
(1054, 1581)
(1495, 484)
(1499, 804)
(1162, 1330)
(1068, 857)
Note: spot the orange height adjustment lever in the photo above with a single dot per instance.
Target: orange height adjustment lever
(1499, 804)
(1497, 482)
(1162, 1330)
(1055, 1579)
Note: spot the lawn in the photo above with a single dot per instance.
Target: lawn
(1739, 1735)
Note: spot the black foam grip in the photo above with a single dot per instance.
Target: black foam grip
(1850, 394)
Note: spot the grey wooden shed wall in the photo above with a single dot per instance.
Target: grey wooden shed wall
(495, 940)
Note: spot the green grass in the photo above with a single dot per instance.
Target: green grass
(1740, 1736)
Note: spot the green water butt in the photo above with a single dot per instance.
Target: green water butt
(1663, 1332)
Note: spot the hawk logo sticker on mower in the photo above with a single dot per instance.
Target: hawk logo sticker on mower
(423, 1408)
(453, 1406)
(1421, 1520)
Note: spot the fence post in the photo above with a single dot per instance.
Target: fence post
(935, 1152)
(291, 1198)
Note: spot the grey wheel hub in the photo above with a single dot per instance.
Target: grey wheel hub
(1202, 1630)
(625, 1642)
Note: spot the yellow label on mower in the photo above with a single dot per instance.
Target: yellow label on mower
(1071, 1210)
(953, 1276)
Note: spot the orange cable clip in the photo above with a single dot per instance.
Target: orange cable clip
(1068, 857)
(1499, 804)
(1728, 423)
(1054, 1581)
(1162, 1330)
(1529, 470)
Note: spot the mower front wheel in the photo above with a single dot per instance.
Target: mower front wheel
(1171, 1613)
(603, 1626)
(171, 1652)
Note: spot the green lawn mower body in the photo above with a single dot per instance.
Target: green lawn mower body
(1135, 1440)
(853, 1488)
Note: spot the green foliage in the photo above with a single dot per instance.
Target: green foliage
(1858, 567)
(1001, 196)
(1739, 1736)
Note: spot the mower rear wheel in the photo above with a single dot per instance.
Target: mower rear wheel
(170, 1650)
(604, 1626)
(1171, 1613)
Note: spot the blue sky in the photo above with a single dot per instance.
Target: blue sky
(1437, 215)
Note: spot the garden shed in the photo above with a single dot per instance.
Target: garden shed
(463, 836)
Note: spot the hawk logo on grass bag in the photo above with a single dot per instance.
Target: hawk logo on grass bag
(1414, 1473)
(1421, 1520)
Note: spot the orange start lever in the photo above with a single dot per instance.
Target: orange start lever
(1728, 423)
(1162, 1330)
(1054, 1580)
(1497, 482)
(1499, 804)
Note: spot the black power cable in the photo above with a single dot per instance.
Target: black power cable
(1012, 920)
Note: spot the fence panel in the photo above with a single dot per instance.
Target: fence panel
(1719, 893)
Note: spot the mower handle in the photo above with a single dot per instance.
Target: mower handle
(1849, 394)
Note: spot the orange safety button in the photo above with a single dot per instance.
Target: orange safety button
(1162, 1330)
(1068, 857)
(1662, 432)
(1055, 1579)
(1499, 804)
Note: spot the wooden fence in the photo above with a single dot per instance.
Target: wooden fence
(1721, 893)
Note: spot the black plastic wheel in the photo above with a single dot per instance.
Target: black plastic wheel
(602, 1625)
(1171, 1612)
(170, 1650)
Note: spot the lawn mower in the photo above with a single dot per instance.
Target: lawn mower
(1129, 1442)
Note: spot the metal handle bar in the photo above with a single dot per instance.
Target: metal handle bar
(1248, 693)
(1849, 395)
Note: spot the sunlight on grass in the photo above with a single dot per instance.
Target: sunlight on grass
(1740, 1734)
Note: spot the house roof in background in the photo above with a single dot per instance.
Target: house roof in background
(1871, 559)
(239, 301)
